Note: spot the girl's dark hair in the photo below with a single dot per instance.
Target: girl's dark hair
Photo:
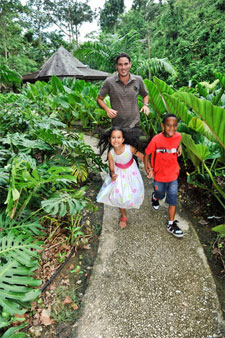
(104, 141)
(168, 116)
(130, 137)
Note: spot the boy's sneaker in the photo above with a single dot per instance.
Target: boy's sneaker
(174, 229)
(155, 202)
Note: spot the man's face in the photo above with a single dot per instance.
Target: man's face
(123, 66)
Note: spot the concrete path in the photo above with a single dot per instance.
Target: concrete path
(147, 283)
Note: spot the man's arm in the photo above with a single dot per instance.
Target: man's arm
(145, 107)
(110, 112)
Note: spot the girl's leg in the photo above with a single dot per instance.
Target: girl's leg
(123, 219)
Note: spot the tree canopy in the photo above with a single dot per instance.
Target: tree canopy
(187, 33)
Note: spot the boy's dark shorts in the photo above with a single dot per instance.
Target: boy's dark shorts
(169, 189)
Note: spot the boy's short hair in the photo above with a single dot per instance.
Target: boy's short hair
(122, 55)
(168, 116)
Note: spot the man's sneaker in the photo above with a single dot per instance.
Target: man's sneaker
(174, 229)
(155, 202)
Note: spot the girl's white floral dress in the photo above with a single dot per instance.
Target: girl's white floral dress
(127, 191)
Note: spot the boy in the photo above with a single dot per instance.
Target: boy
(163, 150)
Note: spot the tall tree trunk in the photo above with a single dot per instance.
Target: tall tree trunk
(5, 47)
(114, 28)
(149, 57)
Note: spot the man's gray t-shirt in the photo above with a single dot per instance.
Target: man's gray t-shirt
(123, 98)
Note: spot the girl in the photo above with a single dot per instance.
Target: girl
(123, 186)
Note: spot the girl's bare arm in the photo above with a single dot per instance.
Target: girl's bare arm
(111, 167)
(137, 153)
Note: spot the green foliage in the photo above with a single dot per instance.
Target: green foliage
(212, 115)
(14, 295)
(13, 332)
(8, 76)
(220, 229)
(110, 13)
(69, 100)
(202, 130)
(65, 203)
(69, 15)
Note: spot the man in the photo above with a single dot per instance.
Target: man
(123, 89)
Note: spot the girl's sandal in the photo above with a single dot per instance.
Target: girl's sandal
(123, 222)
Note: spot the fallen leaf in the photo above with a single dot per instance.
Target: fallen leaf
(87, 247)
(45, 318)
(67, 300)
(75, 306)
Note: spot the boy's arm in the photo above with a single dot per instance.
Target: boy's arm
(111, 167)
(179, 150)
(148, 168)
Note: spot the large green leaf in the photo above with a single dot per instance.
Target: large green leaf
(196, 152)
(65, 203)
(31, 227)
(201, 127)
(175, 106)
(15, 282)
(220, 228)
(212, 115)
(179, 108)
(155, 99)
(12, 332)
(221, 78)
(57, 86)
(20, 248)
(162, 86)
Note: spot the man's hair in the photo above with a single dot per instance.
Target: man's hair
(168, 116)
(122, 55)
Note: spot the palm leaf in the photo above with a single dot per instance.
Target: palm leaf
(212, 115)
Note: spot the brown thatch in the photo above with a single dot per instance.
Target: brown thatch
(64, 64)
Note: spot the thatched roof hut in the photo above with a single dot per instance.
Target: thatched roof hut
(64, 64)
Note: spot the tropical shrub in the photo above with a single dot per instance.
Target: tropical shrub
(69, 100)
(43, 166)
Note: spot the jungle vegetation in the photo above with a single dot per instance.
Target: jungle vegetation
(177, 46)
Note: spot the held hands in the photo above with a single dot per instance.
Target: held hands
(149, 172)
(111, 113)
